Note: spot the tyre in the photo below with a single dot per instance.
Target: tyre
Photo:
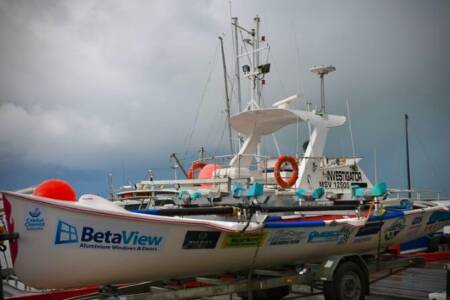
(269, 294)
(349, 283)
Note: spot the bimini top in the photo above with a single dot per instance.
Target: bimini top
(269, 120)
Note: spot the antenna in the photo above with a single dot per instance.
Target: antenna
(111, 186)
(408, 170)
(375, 167)
(234, 22)
(322, 71)
(227, 98)
(254, 72)
(350, 129)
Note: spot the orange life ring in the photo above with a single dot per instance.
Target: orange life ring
(196, 165)
(277, 171)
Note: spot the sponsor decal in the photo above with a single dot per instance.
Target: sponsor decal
(201, 239)
(89, 237)
(363, 239)
(416, 223)
(439, 216)
(340, 236)
(244, 239)
(346, 233)
(369, 229)
(286, 237)
(417, 220)
(437, 220)
(34, 219)
(393, 230)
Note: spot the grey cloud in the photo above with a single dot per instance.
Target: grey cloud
(88, 84)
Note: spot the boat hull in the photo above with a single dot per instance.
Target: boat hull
(66, 245)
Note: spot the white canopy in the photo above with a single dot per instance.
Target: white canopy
(269, 120)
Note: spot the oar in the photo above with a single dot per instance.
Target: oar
(229, 210)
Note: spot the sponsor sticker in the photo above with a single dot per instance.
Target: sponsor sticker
(35, 218)
(286, 237)
(393, 230)
(91, 238)
(363, 239)
(243, 239)
(369, 229)
(201, 239)
(340, 236)
(417, 220)
(437, 220)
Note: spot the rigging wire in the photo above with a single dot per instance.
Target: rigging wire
(220, 141)
(428, 157)
(350, 129)
(202, 99)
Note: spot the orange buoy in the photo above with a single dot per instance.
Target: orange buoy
(277, 171)
(56, 189)
(196, 165)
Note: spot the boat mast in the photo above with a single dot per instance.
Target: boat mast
(254, 72)
(408, 171)
(227, 98)
(234, 22)
(178, 163)
(257, 81)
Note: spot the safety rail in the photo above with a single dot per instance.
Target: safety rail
(417, 195)
(264, 163)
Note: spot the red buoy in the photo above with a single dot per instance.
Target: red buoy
(56, 189)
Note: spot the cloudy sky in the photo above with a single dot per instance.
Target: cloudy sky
(89, 88)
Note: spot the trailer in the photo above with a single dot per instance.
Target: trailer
(341, 277)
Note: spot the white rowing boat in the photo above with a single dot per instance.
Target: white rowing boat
(91, 241)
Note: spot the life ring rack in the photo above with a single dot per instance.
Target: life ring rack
(196, 165)
(277, 171)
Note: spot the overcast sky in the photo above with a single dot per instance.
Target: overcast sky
(89, 88)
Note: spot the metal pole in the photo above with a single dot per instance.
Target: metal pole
(234, 22)
(227, 98)
(256, 62)
(177, 161)
(256, 81)
(375, 171)
(408, 171)
(322, 95)
(237, 69)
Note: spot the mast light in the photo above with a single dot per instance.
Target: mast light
(264, 69)
(246, 69)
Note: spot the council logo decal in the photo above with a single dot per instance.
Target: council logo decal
(90, 238)
(34, 219)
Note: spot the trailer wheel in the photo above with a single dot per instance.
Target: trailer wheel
(269, 294)
(348, 283)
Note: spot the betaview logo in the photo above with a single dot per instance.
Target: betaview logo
(91, 238)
